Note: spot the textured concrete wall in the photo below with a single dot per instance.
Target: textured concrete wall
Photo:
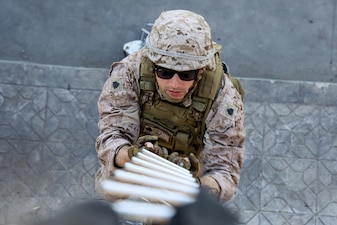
(272, 39)
(48, 126)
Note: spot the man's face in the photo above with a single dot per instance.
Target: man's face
(175, 88)
(174, 85)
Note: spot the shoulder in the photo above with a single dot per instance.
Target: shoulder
(128, 66)
(228, 103)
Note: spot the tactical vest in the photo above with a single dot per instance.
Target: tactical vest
(179, 129)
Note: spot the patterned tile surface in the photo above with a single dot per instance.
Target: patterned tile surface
(290, 164)
(48, 126)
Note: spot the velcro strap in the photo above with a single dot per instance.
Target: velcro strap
(147, 85)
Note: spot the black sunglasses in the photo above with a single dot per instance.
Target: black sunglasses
(164, 73)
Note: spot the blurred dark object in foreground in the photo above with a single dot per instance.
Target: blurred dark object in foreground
(204, 210)
(88, 213)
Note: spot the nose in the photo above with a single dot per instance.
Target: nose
(175, 80)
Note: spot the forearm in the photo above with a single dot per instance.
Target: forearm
(107, 149)
(222, 164)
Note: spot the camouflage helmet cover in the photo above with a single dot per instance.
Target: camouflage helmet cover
(181, 40)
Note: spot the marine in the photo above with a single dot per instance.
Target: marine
(176, 94)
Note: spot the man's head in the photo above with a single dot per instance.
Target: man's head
(180, 46)
(181, 40)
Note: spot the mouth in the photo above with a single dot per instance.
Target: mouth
(175, 94)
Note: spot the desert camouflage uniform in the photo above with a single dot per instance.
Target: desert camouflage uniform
(119, 125)
(118, 105)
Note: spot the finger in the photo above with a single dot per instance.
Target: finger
(165, 152)
(147, 138)
(193, 159)
(158, 150)
(195, 165)
(172, 156)
(149, 146)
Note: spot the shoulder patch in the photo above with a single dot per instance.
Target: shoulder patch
(229, 111)
(116, 85)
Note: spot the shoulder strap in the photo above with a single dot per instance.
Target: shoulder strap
(147, 79)
(211, 81)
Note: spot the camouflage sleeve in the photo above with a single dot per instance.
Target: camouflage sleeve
(119, 116)
(223, 153)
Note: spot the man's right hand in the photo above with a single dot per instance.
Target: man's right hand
(141, 143)
(150, 143)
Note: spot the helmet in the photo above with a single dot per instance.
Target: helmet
(181, 40)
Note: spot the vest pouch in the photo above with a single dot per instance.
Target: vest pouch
(165, 137)
(183, 140)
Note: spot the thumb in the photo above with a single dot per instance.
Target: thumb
(193, 159)
(195, 164)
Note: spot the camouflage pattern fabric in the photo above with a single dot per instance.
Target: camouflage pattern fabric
(118, 105)
(181, 40)
(175, 43)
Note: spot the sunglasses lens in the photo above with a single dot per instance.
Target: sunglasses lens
(188, 75)
(168, 74)
(165, 74)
